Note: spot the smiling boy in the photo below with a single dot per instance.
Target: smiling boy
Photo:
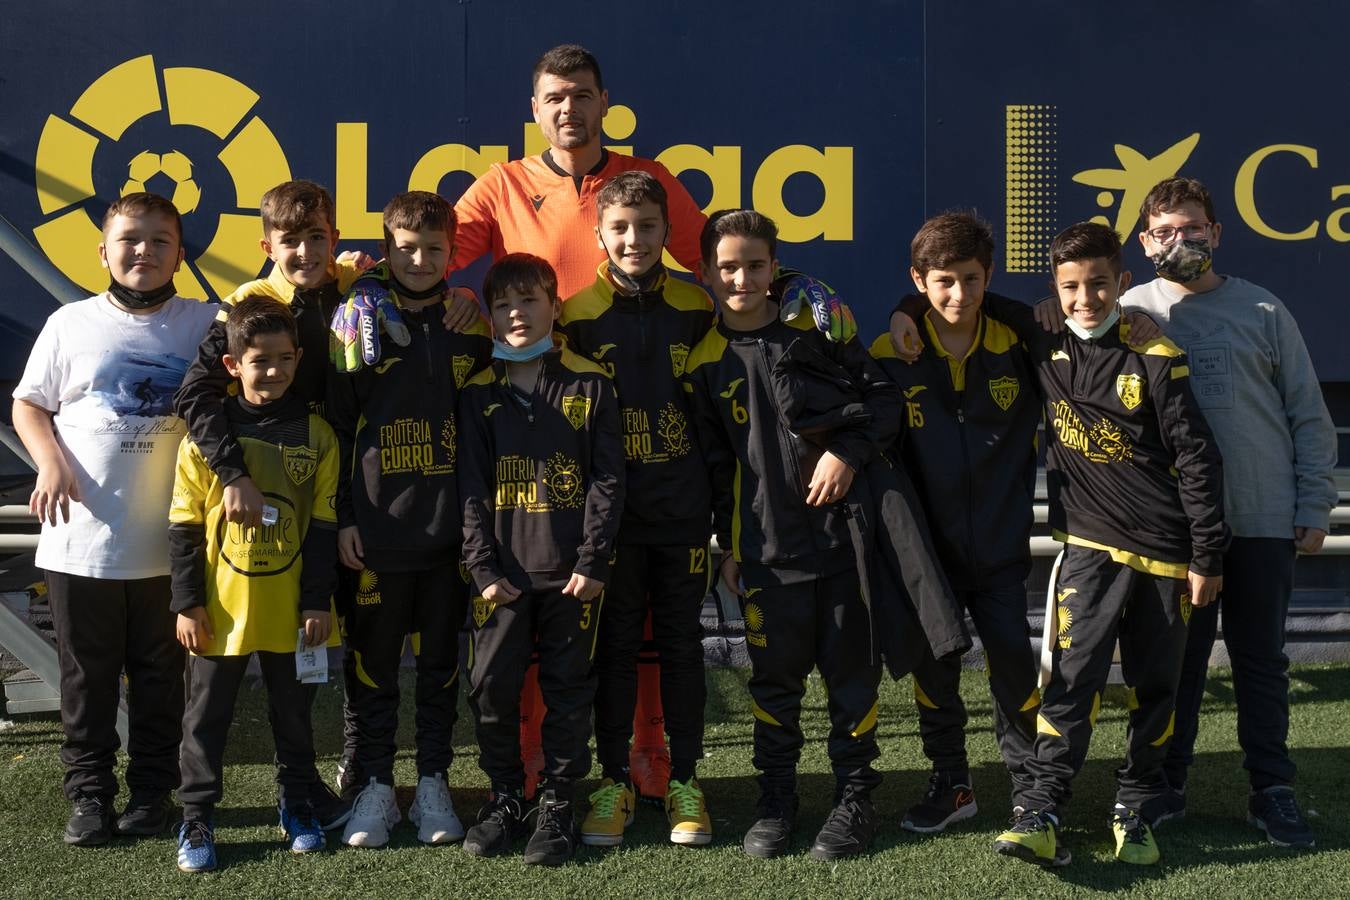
(400, 527)
(1135, 485)
(541, 478)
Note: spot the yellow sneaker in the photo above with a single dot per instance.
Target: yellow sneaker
(1134, 839)
(1032, 838)
(611, 812)
(689, 822)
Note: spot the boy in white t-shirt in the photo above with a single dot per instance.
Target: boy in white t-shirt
(93, 409)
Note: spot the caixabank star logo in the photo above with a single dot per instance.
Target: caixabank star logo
(188, 133)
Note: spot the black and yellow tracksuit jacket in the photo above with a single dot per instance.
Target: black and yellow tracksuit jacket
(1132, 467)
(396, 423)
(760, 468)
(633, 336)
(968, 441)
(254, 582)
(542, 486)
(207, 384)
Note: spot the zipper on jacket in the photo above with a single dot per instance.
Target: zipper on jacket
(426, 348)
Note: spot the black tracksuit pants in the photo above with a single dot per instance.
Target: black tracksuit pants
(386, 607)
(213, 686)
(789, 629)
(671, 581)
(1258, 579)
(1099, 601)
(505, 636)
(104, 626)
(1000, 617)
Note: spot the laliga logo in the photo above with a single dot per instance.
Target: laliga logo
(135, 97)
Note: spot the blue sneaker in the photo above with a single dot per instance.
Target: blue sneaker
(302, 828)
(196, 847)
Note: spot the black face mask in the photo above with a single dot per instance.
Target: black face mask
(1184, 260)
(407, 293)
(141, 299)
(627, 284)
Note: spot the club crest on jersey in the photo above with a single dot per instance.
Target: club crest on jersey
(1130, 389)
(482, 611)
(1004, 391)
(679, 355)
(576, 408)
(299, 462)
(460, 367)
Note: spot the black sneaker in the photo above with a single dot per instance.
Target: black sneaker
(1170, 807)
(330, 808)
(1275, 811)
(848, 829)
(772, 831)
(500, 822)
(948, 800)
(146, 814)
(349, 781)
(555, 831)
(91, 821)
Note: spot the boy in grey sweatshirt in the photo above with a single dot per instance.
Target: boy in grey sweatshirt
(1255, 382)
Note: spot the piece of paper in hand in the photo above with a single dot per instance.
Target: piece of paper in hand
(311, 663)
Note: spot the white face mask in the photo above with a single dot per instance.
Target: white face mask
(1091, 334)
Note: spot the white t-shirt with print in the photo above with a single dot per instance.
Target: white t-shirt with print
(109, 377)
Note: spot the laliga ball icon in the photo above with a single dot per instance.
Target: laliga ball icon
(176, 165)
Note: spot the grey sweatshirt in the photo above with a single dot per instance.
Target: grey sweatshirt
(1252, 376)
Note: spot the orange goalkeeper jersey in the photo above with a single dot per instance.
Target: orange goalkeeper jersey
(532, 206)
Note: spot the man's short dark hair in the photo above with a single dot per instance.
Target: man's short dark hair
(292, 205)
(744, 223)
(1083, 241)
(1173, 193)
(143, 203)
(564, 60)
(950, 238)
(419, 211)
(632, 188)
(522, 271)
(254, 316)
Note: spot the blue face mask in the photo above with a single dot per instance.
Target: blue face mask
(1091, 334)
(501, 350)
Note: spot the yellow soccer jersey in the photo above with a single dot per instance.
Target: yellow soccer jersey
(253, 574)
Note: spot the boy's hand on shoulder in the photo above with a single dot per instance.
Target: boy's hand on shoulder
(830, 481)
(1143, 328)
(318, 625)
(1309, 540)
(194, 629)
(461, 309)
(1050, 315)
(360, 260)
(1203, 588)
(583, 588)
(350, 549)
(501, 591)
(905, 337)
(731, 574)
(54, 489)
(243, 502)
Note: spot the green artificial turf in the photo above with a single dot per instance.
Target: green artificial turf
(1213, 853)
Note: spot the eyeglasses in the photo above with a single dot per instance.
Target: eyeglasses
(1166, 234)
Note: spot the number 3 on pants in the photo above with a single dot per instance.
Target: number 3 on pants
(586, 606)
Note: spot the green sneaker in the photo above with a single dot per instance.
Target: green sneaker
(1134, 839)
(612, 805)
(1032, 837)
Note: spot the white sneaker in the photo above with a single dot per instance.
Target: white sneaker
(433, 812)
(374, 813)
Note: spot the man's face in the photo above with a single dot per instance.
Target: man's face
(956, 292)
(569, 108)
(521, 318)
(304, 254)
(141, 252)
(418, 259)
(740, 273)
(633, 236)
(1187, 221)
(1089, 289)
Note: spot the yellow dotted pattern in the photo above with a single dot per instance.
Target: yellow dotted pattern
(1032, 172)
